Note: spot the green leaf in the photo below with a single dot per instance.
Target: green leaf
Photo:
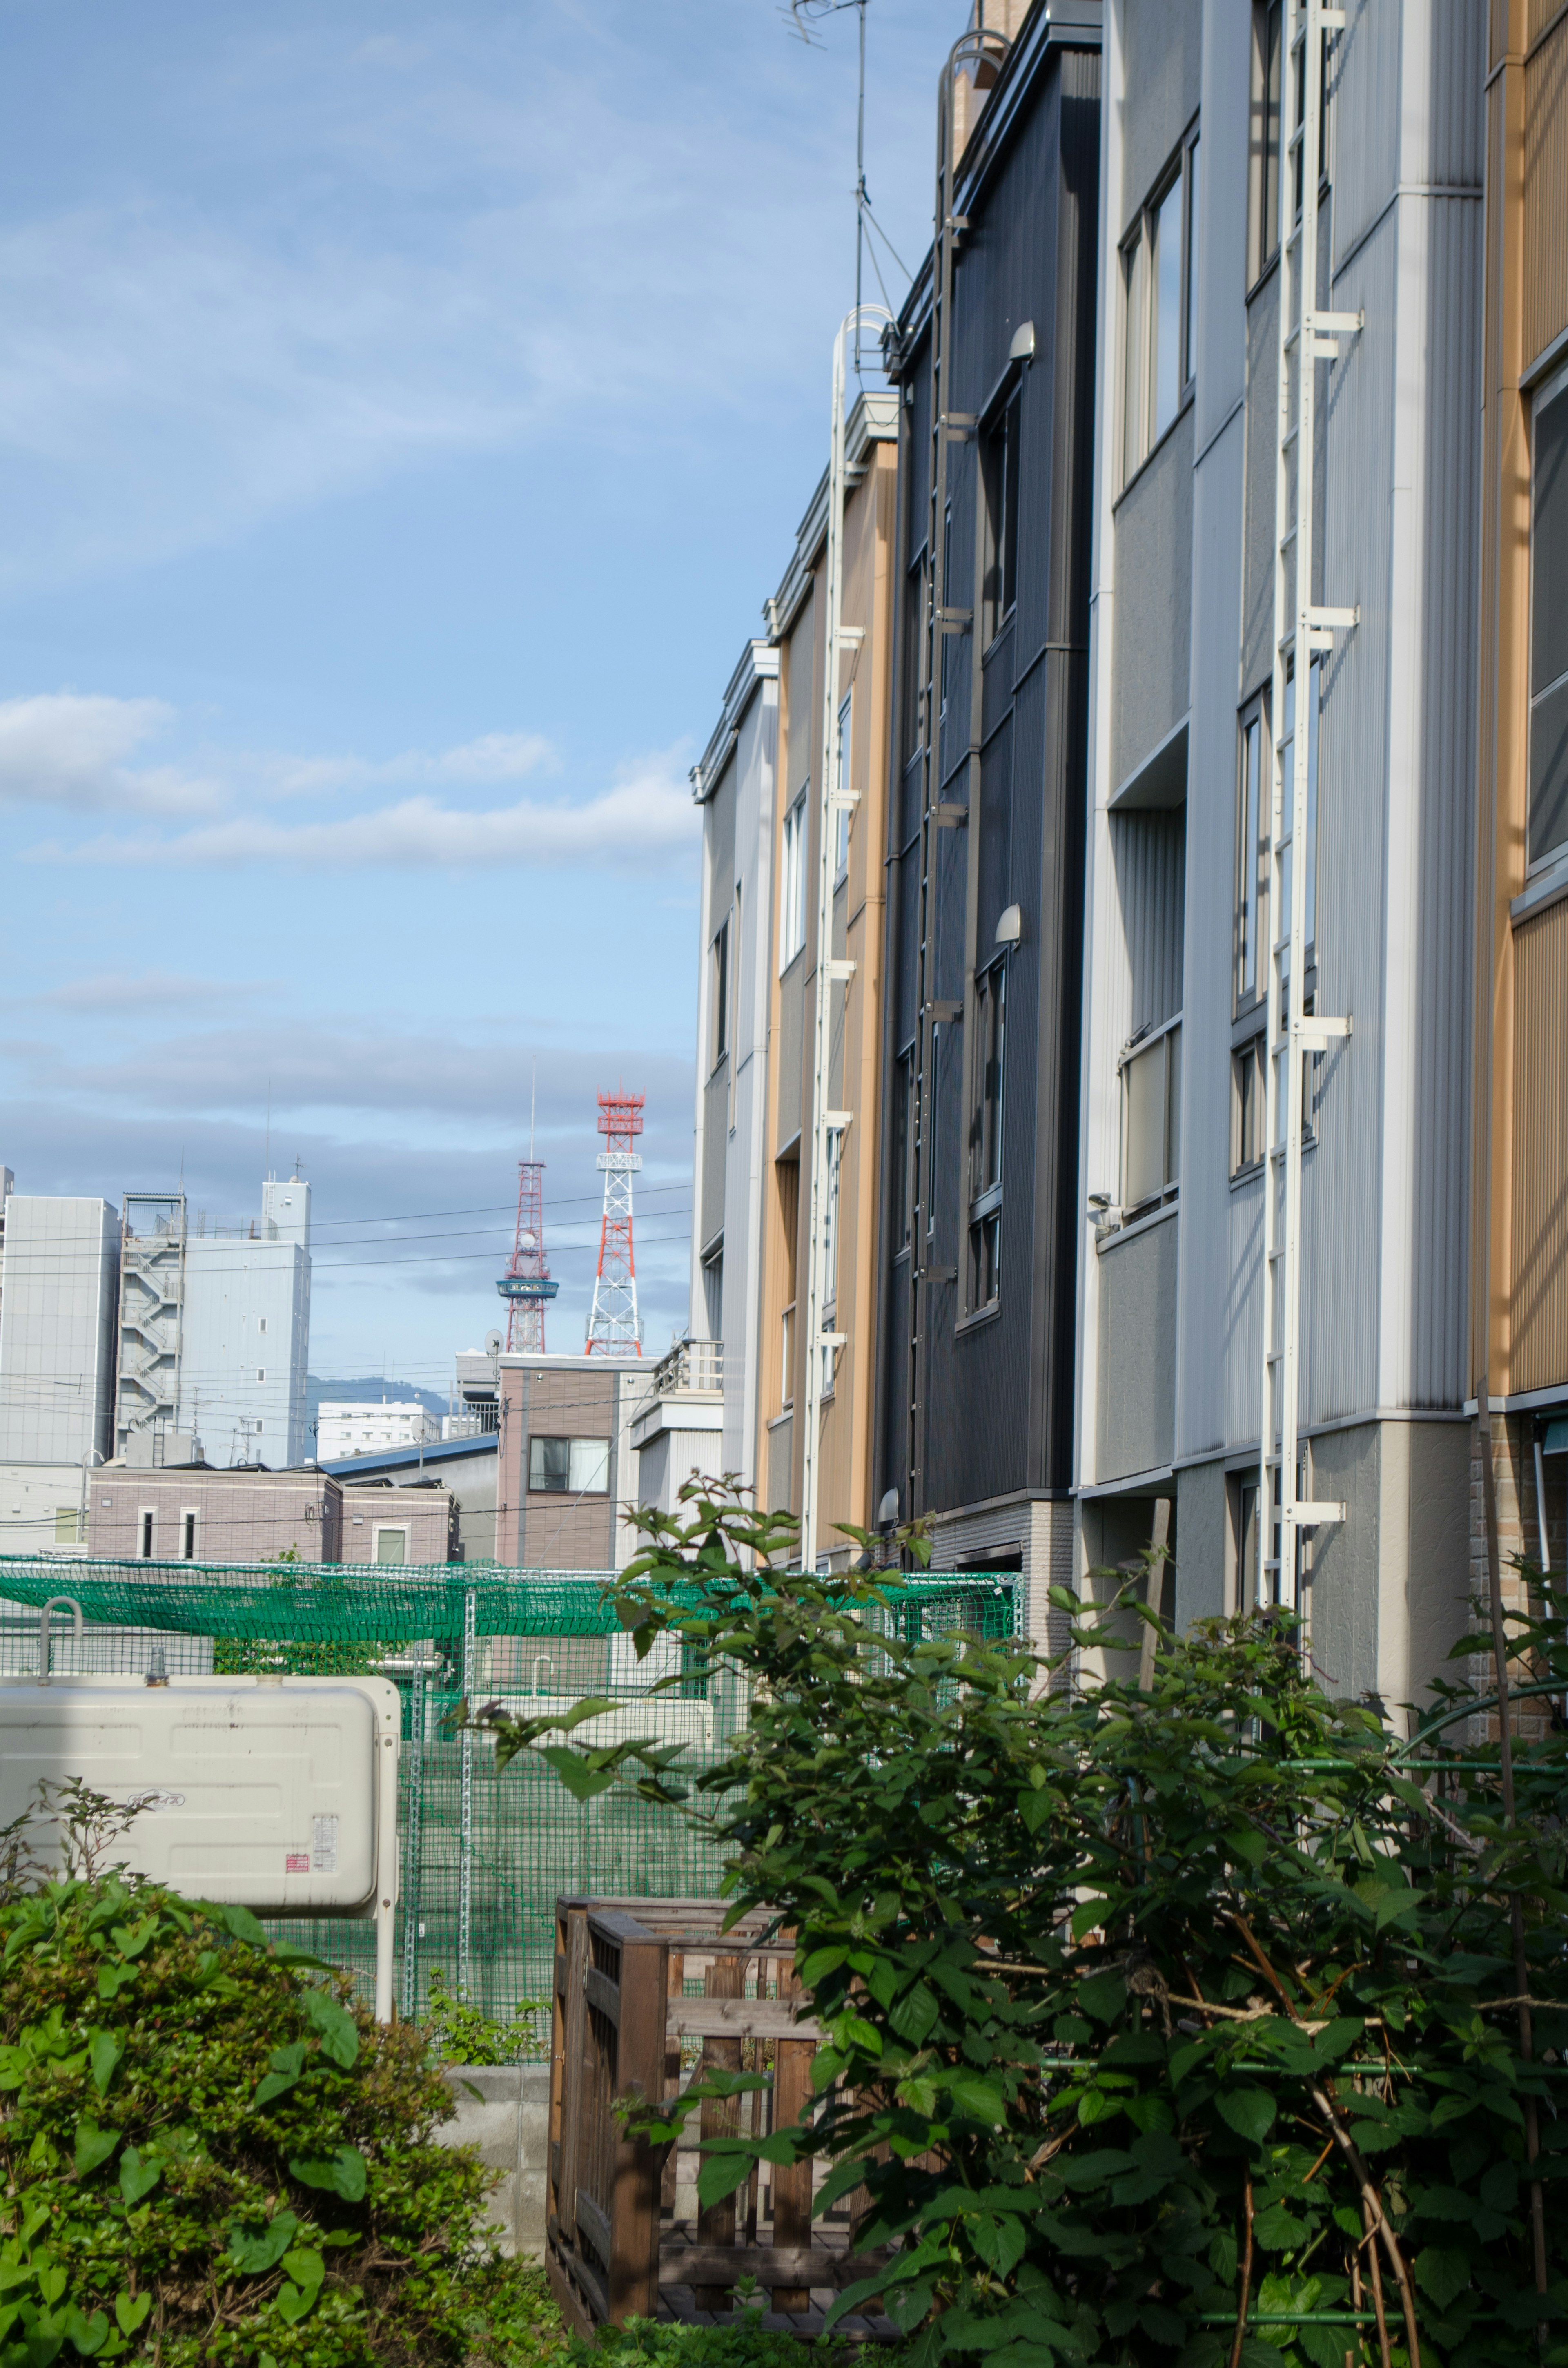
(1277, 2230)
(132, 1940)
(131, 2310)
(1325, 2346)
(1249, 2112)
(238, 1922)
(999, 2242)
(343, 2172)
(291, 2303)
(581, 1780)
(719, 2174)
(93, 2146)
(88, 2335)
(288, 2064)
(305, 2265)
(1103, 1995)
(339, 2031)
(138, 2176)
(254, 2250)
(821, 1962)
(915, 2015)
(1443, 2272)
(104, 2051)
(1086, 1917)
(978, 2097)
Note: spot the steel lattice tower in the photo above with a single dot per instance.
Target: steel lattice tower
(526, 1286)
(614, 1326)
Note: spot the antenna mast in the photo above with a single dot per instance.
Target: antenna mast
(615, 1327)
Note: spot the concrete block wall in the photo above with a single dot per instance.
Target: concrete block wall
(503, 2109)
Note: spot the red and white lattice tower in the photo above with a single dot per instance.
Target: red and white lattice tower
(615, 1329)
(526, 1286)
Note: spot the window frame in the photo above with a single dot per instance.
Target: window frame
(379, 1530)
(1166, 1034)
(1000, 439)
(719, 996)
(985, 1148)
(1251, 920)
(1249, 1076)
(563, 1486)
(1139, 438)
(1553, 392)
(1267, 107)
(792, 877)
(147, 1533)
(190, 1523)
(845, 769)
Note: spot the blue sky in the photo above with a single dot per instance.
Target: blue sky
(402, 417)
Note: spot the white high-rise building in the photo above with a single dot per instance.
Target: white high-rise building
(57, 1296)
(360, 1427)
(245, 1350)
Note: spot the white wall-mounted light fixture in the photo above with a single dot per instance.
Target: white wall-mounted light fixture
(1010, 927)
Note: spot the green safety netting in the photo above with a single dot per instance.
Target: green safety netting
(484, 1854)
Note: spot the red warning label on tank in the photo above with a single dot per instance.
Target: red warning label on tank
(296, 1863)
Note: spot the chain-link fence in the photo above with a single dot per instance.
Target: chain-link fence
(484, 1854)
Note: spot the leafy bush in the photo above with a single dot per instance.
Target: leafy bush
(462, 2034)
(1172, 2026)
(209, 2156)
(740, 2342)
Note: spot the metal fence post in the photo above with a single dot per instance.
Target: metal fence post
(465, 1813)
(414, 1838)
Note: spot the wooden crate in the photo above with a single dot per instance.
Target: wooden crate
(619, 2244)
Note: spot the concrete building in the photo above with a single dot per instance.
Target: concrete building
(215, 1331)
(477, 1383)
(734, 786)
(59, 1268)
(349, 1426)
(1193, 1109)
(677, 1426)
(1518, 1311)
(43, 1508)
(379, 1524)
(567, 1471)
(204, 1515)
(465, 1467)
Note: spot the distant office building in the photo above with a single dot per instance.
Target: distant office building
(215, 1331)
(347, 1427)
(58, 1274)
(567, 1474)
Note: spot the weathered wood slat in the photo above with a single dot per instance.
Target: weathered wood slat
(770, 2265)
(600, 1991)
(741, 2018)
(594, 2224)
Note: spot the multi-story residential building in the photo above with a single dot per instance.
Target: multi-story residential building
(196, 1513)
(215, 1331)
(994, 358)
(567, 1467)
(59, 1270)
(1282, 758)
(1518, 1321)
(824, 1003)
(463, 1465)
(733, 785)
(367, 1427)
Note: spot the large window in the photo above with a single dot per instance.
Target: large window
(986, 1137)
(999, 476)
(1263, 226)
(1150, 1118)
(577, 1467)
(719, 990)
(1159, 293)
(792, 883)
(1249, 1105)
(1548, 623)
(841, 820)
(1252, 829)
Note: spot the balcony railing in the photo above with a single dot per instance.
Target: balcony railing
(690, 1365)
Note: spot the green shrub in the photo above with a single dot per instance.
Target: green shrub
(462, 2034)
(1167, 2026)
(742, 2341)
(208, 2154)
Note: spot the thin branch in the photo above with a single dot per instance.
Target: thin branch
(1372, 2202)
(1246, 2282)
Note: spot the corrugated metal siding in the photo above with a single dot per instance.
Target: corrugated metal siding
(715, 1148)
(721, 841)
(1546, 193)
(1150, 854)
(1366, 113)
(1262, 427)
(1152, 668)
(1538, 1310)
(1443, 124)
(1541, 13)
(780, 1450)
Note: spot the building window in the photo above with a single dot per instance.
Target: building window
(912, 664)
(999, 475)
(144, 1541)
(1150, 1118)
(261, 1323)
(792, 884)
(713, 1293)
(720, 991)
(1263, 226)
(1159, 309)
(1243, 1513)
(944, 638)
(841, 819)
(786, 1356)
(986, 1137)
(1288, 804)
(1252, 823)
(391, 1545)
(187, 1536)
(830, 1218)
(1549, 621)
(903, 1149)
(1249, 1083)
(576, 1467)
(261, 1376)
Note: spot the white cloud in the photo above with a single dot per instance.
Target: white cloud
(151, 990)
(647, 815)
(496, 756)
(62, 749)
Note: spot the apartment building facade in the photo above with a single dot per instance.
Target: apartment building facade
(994, 362)
(59, 1286)
(1518, 1314)
(1199, 624)
(566, 1461)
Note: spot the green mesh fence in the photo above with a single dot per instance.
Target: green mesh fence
(484, 1855)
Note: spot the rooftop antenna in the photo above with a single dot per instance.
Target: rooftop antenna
(804, 17)
(268, 1161)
